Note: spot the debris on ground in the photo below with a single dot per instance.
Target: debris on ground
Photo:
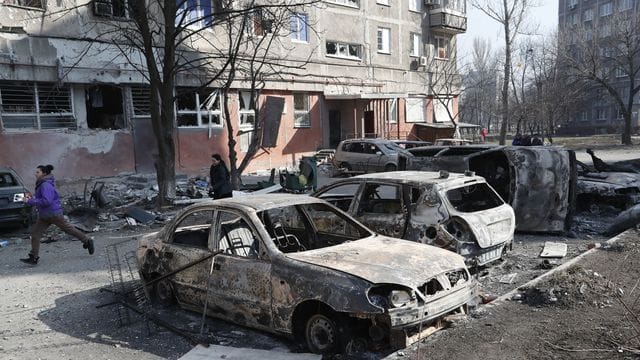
(554, 250)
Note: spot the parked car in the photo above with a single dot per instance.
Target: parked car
(458, 212)
(410, 144)
(539, 182)
(297, 266)
(367, 155)
(13, 210)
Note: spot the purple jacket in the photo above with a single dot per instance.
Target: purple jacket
(46, 200)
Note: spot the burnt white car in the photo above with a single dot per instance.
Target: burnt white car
(297, 266)
(459, 212)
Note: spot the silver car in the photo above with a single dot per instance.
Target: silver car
(459, 212)
(297, 266)
(367, 155)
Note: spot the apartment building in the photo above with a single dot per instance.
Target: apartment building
(370, 69)
(598, 114)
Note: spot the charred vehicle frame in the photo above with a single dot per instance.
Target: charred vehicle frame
(297, 266)
(539, 182)
(458, 212)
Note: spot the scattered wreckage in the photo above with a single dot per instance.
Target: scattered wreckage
(538, 182)
(458, 212)
(297, 266)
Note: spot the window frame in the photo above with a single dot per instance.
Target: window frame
(347, 45)
(245, 112)
(416, 5)
(200, 112)
(17, 3)
(392, 111)
(415, 40)
(301, 117)
(302, 28)
(605, 9)
(383, 36)
(439, 47)
(347, 3)
(37, 114)
(200, 14)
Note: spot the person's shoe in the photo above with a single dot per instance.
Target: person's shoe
(89, 246)
(31, 260)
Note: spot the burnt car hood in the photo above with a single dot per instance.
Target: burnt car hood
(381, 260)
(607, 182)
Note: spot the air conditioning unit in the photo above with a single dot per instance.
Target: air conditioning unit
(103, 8)
(424, 61)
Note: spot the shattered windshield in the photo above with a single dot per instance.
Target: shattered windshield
(296, 228)
(473, 197)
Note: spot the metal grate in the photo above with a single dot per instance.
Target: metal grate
(40, 106)
(141, 99)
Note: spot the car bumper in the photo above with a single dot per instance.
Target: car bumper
(477, 256)
(411, 316)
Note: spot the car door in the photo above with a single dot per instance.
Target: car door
(381, 208)
(341, 195)
(188, 243)
(240, 285)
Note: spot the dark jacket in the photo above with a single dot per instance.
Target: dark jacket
(46, 199)
(220, 182)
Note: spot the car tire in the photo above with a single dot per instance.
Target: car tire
(322, 334)
(390, 167)
(163, 293)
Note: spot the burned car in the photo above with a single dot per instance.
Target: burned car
(297, 266)
(458, 212)
(618, 189)
(12, 193)
(539, 182)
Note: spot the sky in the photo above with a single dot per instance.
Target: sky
(480, 25)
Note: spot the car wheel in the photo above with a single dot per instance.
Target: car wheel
(163, 293)
(322, 334)
(390, 167)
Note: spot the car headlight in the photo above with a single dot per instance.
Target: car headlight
(391, 296)
(399, 298)
(19, 197)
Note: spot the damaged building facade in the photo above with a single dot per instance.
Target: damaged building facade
(79, 104)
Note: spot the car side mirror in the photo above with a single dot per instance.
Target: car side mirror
(378, 153)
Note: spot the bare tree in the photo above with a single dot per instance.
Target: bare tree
(480, 85)
(444, 82)
(511, 15)
(607, 55)
(170, 38)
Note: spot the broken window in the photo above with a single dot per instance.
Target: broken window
(236, 236)
(246, 109)
(301, 110)
(198, 108)
(344, 50)
(193, 230)
(381, 199)
(36, 106)
(332, 227)
(105, 108)
(26, 3)
(341, 196)
(287, 228)
(474, 197)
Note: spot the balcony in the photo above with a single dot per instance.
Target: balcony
(447, 16)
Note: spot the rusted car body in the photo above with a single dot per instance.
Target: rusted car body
(539, 182)
(297, 266)
(458, 212)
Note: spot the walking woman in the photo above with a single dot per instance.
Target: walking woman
(220, 182)
(47, 202)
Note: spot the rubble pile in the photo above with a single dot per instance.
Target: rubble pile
(574, 287)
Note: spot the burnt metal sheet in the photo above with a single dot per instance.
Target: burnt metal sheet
(538, 182)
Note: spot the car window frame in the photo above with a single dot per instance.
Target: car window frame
(263, 252)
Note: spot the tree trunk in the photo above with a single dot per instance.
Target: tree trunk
(505, 84)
